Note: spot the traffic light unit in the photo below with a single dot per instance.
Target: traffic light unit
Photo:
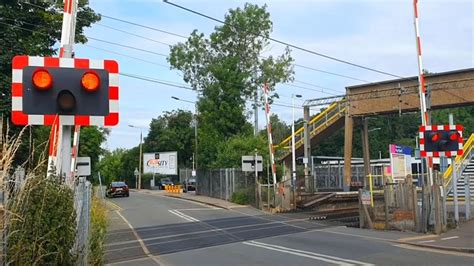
(441, 140)
(76, 91)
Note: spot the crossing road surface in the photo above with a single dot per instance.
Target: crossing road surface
(157, 230)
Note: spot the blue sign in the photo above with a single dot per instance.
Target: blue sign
(400, 149)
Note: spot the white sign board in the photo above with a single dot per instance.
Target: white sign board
(248, 163)
(83, 166)
(365, 198)
(400, 161)
(164, 163)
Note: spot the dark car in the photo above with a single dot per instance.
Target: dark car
(189, 185)
(165, 182)
(117, 189)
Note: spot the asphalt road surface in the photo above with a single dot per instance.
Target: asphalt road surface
(158, 230)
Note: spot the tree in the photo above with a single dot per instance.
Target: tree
(227, 69)
(110, 166)
(34, 30)
(172, 131)
(90, 141)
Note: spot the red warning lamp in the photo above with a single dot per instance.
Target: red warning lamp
(454, 136)
(435, 137)
(90, 81)
(42, 80)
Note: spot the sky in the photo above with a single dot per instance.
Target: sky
(375, 33)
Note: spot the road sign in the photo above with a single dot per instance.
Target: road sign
(248, 163)
(193, 173)
(441, 140)
(83, 166)
(80, 91)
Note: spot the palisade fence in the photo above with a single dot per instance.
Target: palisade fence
(223, 183)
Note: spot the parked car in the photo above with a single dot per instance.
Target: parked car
(189, 185)
(165, 182)
(117, 189)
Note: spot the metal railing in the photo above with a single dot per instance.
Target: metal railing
(317, 124)
(460, 164)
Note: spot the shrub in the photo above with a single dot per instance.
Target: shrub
(240, 197)
(41, 224)
(98, 229)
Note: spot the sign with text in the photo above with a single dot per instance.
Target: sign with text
(400, 161)
(164, 163)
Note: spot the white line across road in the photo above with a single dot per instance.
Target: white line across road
(184, 216)
(307, 254)
(448, 238)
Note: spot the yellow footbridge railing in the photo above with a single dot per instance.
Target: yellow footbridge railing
(460, 161)
(173, 188)
(316, 125)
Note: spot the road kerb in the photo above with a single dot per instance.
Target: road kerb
(445, 248)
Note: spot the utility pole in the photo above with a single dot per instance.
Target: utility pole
(293, 155)
(255, 110)
(455, 181)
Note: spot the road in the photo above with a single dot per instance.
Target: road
(158, 230)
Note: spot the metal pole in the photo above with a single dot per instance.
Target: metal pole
(255, 110)
(67, 41)
(256, 178)
(196, 134)
(140, 163)
(455, 181)
(293, 155)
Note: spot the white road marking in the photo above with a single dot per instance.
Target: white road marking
(142, 244)
(200, 209)
(307, 254)
(426, 241)
(432, 250)
(448, 238)
(184, 216)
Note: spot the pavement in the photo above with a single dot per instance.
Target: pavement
(460, 239)
(197, 198)
(154, 229)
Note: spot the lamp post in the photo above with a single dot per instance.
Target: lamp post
(195, 154)
(140, 158)
(293, 156)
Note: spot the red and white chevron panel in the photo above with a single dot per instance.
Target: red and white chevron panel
(22, 61)
(424, 153)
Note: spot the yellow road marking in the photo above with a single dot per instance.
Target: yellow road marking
(139, 239)
(417, 237)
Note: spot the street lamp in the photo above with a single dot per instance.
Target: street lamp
(195, 155)
(140, 158)
(293, 156)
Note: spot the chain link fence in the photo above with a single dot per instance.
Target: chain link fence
(82, 202)
(228, 184)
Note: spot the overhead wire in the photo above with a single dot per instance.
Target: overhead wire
(287, 43)
(185, 37)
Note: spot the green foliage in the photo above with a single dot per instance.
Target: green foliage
(98, 230)
(111, 165)
(42, 224)
(90, 141)
(227, 70)
(229, 154)
(393, 129)
(35, 31)
(240, 197)
(280, 130)
(172, 131)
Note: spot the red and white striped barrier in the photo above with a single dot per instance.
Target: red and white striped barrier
(269, 132)
(437, 154)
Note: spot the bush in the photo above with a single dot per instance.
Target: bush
(240, 197)
(98, 229)
(41, 224)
